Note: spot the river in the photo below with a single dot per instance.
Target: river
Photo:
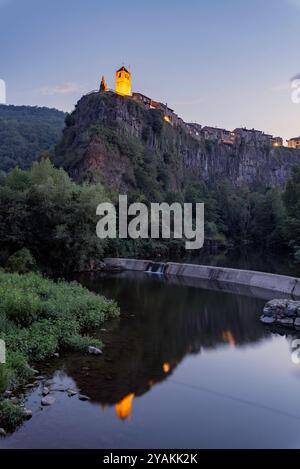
(183, 367)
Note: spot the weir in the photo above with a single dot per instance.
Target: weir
(157, 268)
(221, 275)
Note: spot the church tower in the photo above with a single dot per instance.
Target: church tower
(123, 82)
(103, 85)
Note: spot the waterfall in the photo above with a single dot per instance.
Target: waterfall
(157, 268)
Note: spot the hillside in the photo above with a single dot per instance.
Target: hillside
(25, 132)
(131, 148)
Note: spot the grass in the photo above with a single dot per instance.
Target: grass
(38, 317)
(11, 415)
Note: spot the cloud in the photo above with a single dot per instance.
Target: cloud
(281, 87)
(64, 88)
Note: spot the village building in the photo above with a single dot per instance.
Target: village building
(215, 134)
(277, 142)
(123, 82)
(194, 129)
(218, 135)
(294, 143)
(253, 136)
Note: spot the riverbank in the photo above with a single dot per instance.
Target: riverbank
(38, 318)
(160, 381)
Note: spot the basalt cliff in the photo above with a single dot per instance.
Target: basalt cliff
(130, 148)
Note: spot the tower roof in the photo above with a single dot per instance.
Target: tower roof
(123, 69)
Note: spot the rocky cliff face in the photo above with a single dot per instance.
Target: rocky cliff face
(131, 148)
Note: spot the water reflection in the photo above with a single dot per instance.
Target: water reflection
(160, 325)
(183, 367)
(124, 407)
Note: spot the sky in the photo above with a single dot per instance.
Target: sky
(226, 63)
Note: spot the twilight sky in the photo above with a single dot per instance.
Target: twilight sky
(226, 63)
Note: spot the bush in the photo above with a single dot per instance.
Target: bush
(38, 316)
(11, 415)
(21, 262)
(79, 342)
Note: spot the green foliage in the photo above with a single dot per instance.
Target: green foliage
(21, 262)
(38, 316)
(25, 132)
(11, 415)
(79, 342)
(238, 215)
(291, 198)
(43, 211)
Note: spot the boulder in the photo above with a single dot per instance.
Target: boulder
(94, 351)
(47, 401)
(297, 323)
(27, 414)
(276, 308)
(267, 319)
(287, 322)
(282, 312)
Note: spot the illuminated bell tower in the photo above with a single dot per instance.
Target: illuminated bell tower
(123, 82)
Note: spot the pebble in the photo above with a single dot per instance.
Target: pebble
(297, 323)
(27, 414)
(94, 351)
(48, 400)
(29, 386)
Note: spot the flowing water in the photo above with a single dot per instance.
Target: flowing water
(183, 367)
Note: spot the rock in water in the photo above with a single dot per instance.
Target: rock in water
(267, 319)
(48, 400)
(283, 312)
(45, 391)
(27, 414)
(94, 351)
(82, 397)
(2, 432)
(297, 323)
(71, 393)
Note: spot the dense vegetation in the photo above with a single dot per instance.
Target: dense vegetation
(53, 219)
(37, 318)
(25, 132)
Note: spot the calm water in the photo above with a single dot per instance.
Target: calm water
(183, 367)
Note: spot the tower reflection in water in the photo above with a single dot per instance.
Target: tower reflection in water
(160, 324)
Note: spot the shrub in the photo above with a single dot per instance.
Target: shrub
(11, 415)
(21, 261)
(37, 316)
(78, 342)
